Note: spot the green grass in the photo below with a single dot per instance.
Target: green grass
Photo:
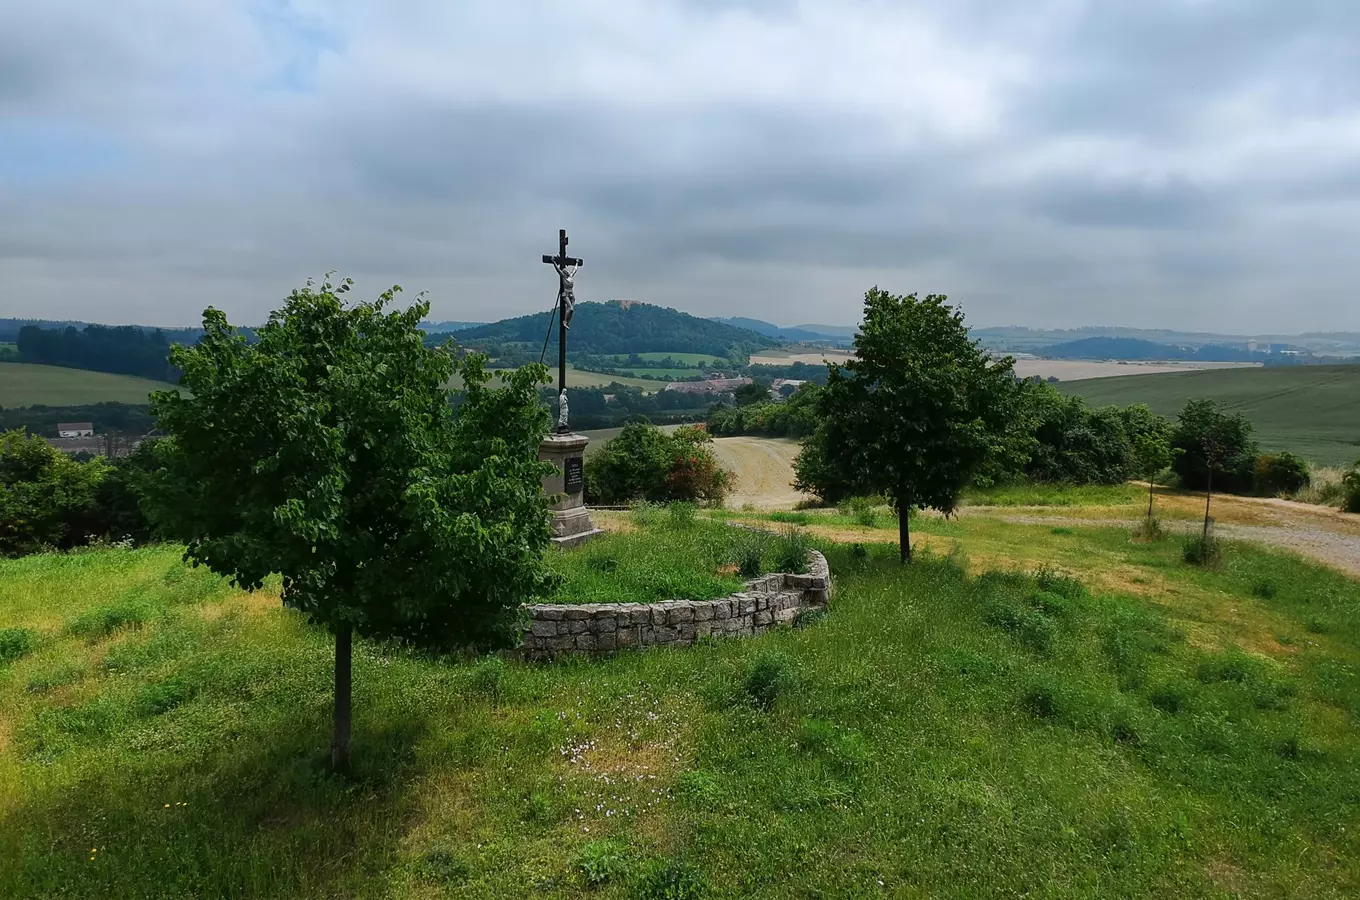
(1027, 494)
(1313, 411)
(694, 359)
(28, 384)
(657, 374)
(935, 735)
(661, 560)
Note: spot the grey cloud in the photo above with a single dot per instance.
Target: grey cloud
(1162, 163)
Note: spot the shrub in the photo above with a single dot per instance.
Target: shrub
(770, 674)
(47, 499)
(1281, 473)
(645, 463)
(1149, 529)
(791, 551)
(16, 643)
(1202, 551)
(862, 510)
(1350, 482)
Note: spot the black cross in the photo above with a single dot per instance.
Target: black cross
(561, 260)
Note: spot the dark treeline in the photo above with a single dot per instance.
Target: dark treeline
(124, 418)
(122, 349)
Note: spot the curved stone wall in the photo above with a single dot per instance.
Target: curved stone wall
(557, 629)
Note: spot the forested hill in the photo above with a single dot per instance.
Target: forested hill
(617, 328)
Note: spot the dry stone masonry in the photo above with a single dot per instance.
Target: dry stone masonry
(594, 628)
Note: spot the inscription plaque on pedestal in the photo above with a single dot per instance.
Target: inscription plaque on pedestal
(573, 469)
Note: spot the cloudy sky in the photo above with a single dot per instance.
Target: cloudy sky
(1159, 163)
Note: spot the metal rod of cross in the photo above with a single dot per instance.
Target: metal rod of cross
(566, 267)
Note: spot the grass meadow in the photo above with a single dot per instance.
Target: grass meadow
(1024, 711)
(29, 384)
(1313, 411)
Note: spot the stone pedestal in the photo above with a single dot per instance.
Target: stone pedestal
(571, 520)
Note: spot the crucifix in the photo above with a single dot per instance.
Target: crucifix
(566, 267)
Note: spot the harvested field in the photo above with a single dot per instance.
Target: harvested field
(1078, 369)
(764, 469)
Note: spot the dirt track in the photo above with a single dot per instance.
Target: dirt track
(764, 468)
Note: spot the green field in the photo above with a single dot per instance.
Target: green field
(1313, 411)
(659, 376)
(1190, 734)
(578, 378)
(27, 384)
(694, 359)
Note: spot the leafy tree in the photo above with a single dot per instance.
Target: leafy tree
(1211, 445)
(327, 452)
(915, 414)
(1151, 450)
(1207, 443)
(755, 392)
(47, 499)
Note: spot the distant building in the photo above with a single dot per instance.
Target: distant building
(75, 429)
(712, 386)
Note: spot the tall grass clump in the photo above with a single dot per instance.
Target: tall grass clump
(770, 675)
(1202, 550)
(1325, 489)
(792, 550)
(16, 643)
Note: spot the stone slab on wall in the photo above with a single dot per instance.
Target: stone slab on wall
(593, 628)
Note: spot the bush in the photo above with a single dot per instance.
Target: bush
(770, 674)
(672, 880)
(1281, 473)
(1149, 529)
(1202, 551)
(1350, 482)
(645, 463)
(861, 510)
(16, 643)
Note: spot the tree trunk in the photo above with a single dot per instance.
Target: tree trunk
(904, 530)
(344, 640)
(1208, 495)
(1152, 482)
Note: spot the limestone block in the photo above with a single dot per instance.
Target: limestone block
(585, 642)
(626, 637)
(604, 625)
(680, 613)
(747, 605)
(666, 634)
(703, 612)
(685, 632)
(606, 641)
(561, 642)
(547, 613)
(764, 617)
(640, 615)
(575, 613)
(539, 628)
(703, 629)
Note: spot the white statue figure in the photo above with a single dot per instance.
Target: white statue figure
(562, 409)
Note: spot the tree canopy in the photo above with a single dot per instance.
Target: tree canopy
(327, 452)
(915, 414)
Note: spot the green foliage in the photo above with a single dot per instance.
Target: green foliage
(1282, 473)
(790, 550)
(795, 417)
(769, 675)
(121, 349)
(104, 620)
(613, 328)
(327, 451)
(1201, 550)
(645, 463)
(47, 500)
(1308, 410)
(601, 862)
(672, 880)
(915, 415)
(1208, 440)
(861, 510)
(1350, 482)
(16, 643)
